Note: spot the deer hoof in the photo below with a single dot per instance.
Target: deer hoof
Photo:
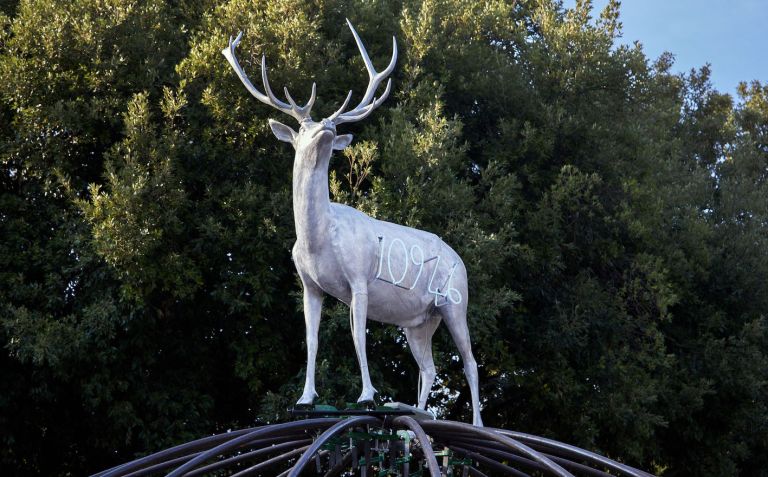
(306, 399)
(366, 396)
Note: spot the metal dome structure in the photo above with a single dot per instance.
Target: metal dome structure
(392, 441)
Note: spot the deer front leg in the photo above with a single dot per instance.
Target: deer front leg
(359, 308)
(313, 303)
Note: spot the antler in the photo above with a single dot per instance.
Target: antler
(292, 109)
(369, 102)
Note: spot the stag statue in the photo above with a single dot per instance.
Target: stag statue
(383, 271)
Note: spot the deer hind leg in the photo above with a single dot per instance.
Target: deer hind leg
(455, 316)
(359, 309)
(313, 303)
(420, 340)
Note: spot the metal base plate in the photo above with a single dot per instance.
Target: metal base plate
(418, 414)
(357, 409)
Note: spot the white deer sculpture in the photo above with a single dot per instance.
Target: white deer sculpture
(383, 271)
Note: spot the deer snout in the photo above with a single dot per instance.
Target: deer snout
(324, 126)
(322, 130)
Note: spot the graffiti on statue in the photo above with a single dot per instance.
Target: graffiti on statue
(409, 259)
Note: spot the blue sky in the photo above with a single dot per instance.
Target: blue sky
(730, 35)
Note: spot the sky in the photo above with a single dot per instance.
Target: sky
(731, 35)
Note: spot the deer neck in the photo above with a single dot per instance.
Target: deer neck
(311, 202)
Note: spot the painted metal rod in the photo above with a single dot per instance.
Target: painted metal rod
(507, 470)
(259, 432)
(573, 451)
(426, 445)
(270, 462)
(577, 466)
(174, 462)
(485, 445)
(338, 468)
(204, 443)
(500, 451)
(327, 435)
(489, 448)
(160, 466)
(248, 456)
(569, 460)
(285, 472)
(508, 441)
(474, 472)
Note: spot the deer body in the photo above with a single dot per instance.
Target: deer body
(384, 271)
(350, 257)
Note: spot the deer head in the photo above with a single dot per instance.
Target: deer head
(316, 140)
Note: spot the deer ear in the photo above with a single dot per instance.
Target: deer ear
(282, 132)
(342, 141)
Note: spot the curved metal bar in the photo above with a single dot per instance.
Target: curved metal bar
(503, 453)
(338, 468)
(262, 431)
(161, 466)
(507, 470)
(325, 436)
(567, 459)
(494, 450)
(426, 445)
(204, 443)
(170, 463)
(573, 451)
(474, 472)
(285, 472)
(270, 462)
(248, 456)
(578, 467)
(500, 450)
(508, 441)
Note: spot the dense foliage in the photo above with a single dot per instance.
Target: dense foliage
(613, 216)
